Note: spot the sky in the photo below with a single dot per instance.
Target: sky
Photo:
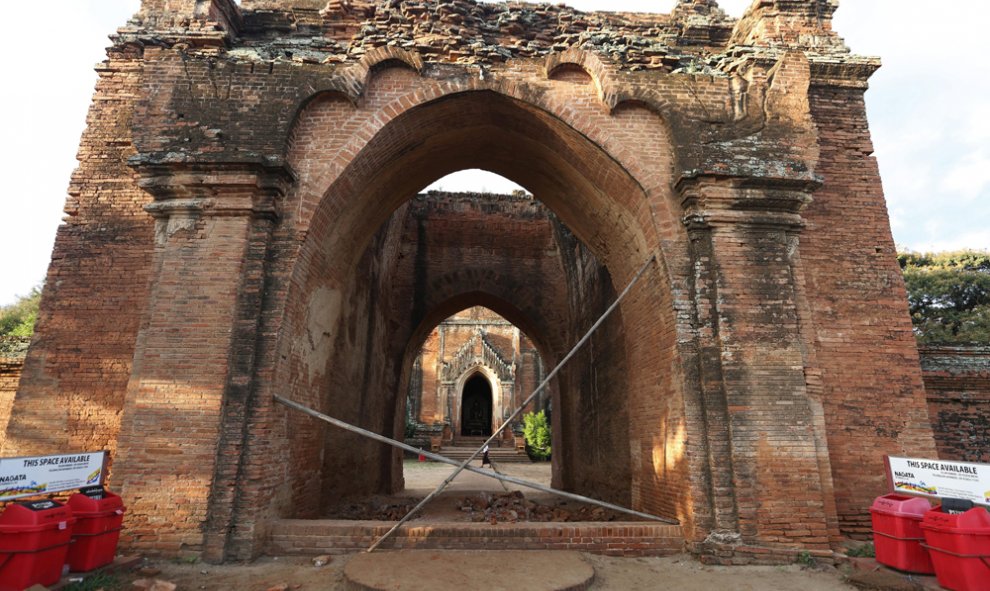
(929, 110)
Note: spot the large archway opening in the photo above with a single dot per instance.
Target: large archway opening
(375, 276)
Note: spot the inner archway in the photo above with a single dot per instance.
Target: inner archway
(475, 360)
(476, 407)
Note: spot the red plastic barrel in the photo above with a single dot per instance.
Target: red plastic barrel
(97, 530)
(34, 539)
(897, 534)
(960, 548)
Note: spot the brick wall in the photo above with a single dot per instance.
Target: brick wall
(292, 537)
(957, 383)
(591, 406)
(873, 393)
(10, 376)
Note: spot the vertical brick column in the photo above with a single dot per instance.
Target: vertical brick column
(184, 417)
(766, 485)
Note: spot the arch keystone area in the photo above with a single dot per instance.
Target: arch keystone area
(381, 57)
(592, 64)
(248, 222)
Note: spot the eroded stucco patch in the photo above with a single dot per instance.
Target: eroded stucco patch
(315, 345)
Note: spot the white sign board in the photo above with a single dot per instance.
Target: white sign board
(941, 478)
(30, 476)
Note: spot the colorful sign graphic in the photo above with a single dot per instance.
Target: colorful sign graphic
(29, 476)
(940, 478)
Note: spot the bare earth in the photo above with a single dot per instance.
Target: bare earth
(682, 572)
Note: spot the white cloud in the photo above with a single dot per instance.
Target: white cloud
(42, 114)
(979, 239)
(928, 113)
(969, 178)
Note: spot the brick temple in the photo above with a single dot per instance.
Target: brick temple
(244, 223)
(474, 370)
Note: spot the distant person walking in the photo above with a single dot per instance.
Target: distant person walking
(485, 460)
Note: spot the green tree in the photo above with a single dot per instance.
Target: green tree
(948, 295)
(536, 430)
(17, 319)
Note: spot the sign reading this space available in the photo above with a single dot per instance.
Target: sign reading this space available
(940, 478)
(29, 476)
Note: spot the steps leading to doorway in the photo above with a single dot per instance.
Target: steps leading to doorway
(476, 442)
(500, 455)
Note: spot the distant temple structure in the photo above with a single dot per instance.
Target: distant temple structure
(474, 370)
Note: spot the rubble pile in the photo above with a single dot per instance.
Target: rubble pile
(513, 507)
(376, 509)
(462, 31)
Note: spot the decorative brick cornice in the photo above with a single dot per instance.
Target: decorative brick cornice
(217, 189)
(847, 71)
(710, 200)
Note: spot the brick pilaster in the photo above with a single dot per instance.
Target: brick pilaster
(764, 453)
(183, 422)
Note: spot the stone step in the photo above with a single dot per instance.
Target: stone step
(477, 442)
(312, 537)
(498, 455)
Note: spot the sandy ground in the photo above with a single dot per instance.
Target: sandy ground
(423, 477)
(682, 573)
(613, 574)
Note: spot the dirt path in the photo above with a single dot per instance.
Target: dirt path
(422, 477)
(682, 573)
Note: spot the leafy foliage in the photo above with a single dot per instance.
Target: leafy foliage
(17, 319)
(806, 560)
(536, 430)
(862, 550)
(948, 295)
(95, 582)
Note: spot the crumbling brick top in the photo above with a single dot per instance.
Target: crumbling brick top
(13, 348)
(697, 37)
(956, 359)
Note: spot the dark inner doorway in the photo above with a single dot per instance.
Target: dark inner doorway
(476, 407)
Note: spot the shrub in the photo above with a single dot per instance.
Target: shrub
(536, 430)
(17, 319)
(948, 295)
